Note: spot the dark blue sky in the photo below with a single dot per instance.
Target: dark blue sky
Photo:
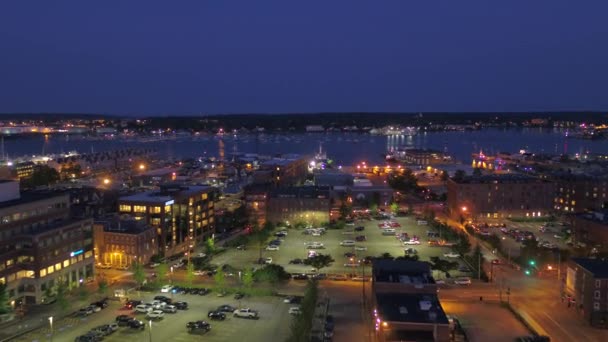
(222, 56)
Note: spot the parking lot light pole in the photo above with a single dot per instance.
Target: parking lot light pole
(150, 325)
(51, 324)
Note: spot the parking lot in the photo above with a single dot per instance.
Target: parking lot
(294, 246)
(273, 324)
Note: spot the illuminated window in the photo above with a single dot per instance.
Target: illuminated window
(155, 210)
(125, 208)
(155, 221)
(50, 269)
(139, 208)
(66, 263)
(167, 209)
(58, 266)
(204, 196)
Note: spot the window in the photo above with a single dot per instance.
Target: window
(66, 263)
(597, 294)
(155, 210)
(125, 208)
(204, 197)
(58, 266)
(139, 208)
(50, 269)
(598, 283)
(596, 306)
(42, 273)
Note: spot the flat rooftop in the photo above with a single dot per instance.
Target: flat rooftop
(599, 267)
(167, 193)
(501, 178)
(116, 225)
(409, 307)
(401, 271)
(30, 197)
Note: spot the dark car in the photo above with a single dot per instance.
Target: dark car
(181, 305)
(198, 325)
(132, 304)
(349, 254)
(241, 248)
(292, 300)
(359, 229)
(299, 276)
(318, 276)
(226, 308)
(101, 303)
(275, 243)
(296, 261)
(136, 324)
(88, 337)
(123, 319)
(164, 299)
(280, 235)
(360, 238)
(238, 295)
(216, 315)
(329, 322)
(203, 291)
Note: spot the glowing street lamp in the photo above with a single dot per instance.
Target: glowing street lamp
(142, 167)
(464, 209)
(106, 181)
(51, 324)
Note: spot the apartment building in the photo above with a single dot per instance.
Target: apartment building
(587, 284)
(41, 245)
(121, 242)
(182, 215)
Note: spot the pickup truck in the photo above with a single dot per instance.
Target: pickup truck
(246, 313)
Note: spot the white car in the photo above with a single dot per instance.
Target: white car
(272, 248)
(347, 243)
(463, 281)
(295, 310)
(156, 314)
(143, 308)
(166, 288)
(268, 260)
(246, 313)
(411, 242)
(284, 232)
(199, 273)
(158, 305)
(170, 309)
(360, 248)
(315, 245)
(451, 255)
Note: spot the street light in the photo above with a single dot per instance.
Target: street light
(51, 324)
(142, 167)
(150, 324)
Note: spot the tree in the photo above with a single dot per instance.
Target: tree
(190, 273)
(459, 175)
(394, 208)
(247, 278)
(220, 280)
(319, 261)
(463, 246)
(61, 292)
(477, 260)
(414, 257)
(161, 272)
(41, 176)
(445, 176)
(373, 209)
(139, 274)
(83, 293)
(261, 236)
(405, 182)
(209, 246)
(477, 172)
(386, 256)
(443, 265)
(271, 273)
(345, 210)
(4, 305)
(102, 286)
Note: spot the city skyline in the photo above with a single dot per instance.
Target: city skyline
(274, 57)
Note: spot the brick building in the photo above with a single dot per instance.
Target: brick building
(120, 242)
(41, 244)
(182, 215)
(578, 193)
(499, 196)
(591, 229)
(587, 284)
(307, 204)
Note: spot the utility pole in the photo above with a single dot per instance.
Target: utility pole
(559, 264)
(479, 266)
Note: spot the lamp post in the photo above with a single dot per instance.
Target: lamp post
(51, 324)
(150, 325)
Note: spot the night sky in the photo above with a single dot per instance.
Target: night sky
(255, 56)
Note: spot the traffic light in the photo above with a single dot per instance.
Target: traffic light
(527, 272)
(532, 263)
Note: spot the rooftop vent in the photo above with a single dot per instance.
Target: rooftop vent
(403, 310)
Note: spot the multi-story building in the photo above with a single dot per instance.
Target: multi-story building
(41, 245)
(120, 242)
(256, 201)
(181, 214)
(306, 204)
(499, 196)
(576, 193)
(287, 170)
(587, 284)
(591, 229)
(405, 302)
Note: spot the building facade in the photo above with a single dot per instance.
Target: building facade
(120, 243)
(578, 193)
(587, 284)
(299, 204)
(41, 246)
(591, 229)
(499, 196)
(181, 215)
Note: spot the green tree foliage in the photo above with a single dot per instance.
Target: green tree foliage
(386, 256)
(319, 261)
(394, 208)
(373, 209)
(190, 273)
(301, 326)
(42, 175)
(463, 246)
(162, 271)
(102, 285)
(220, 280)
(345, 210)
(459, 175)
(261, 237)
(83, 293)
(404, 182)
(272, 274)
(442, 265)
(4, 305)
(247, 278)
(139, 274)
(414, 257)
(477, 172)
(209, 246)
(61, 291)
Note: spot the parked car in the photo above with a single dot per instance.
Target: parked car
(272, 248)
(360, 248)
(123, 319)
(155, 314)
(359, 229)
(136, 324)
(246, 313)
(299, 276)
(85, 311)
(198, 325)
(295, 310)
(349, 254)
(451, 255)
(268, 261)
(216, 315)
(360, 238)
(410, 251)
(164, 299)
(241, 248)
(88, 337)
(347, 243)
(226, 308)
(170, 309)
(463, 281)
(199, 273)
(166, 288)
(95, 308)
(292, 300)
(338, 277)
(295, 261)
(411, 242)
(181, 305)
